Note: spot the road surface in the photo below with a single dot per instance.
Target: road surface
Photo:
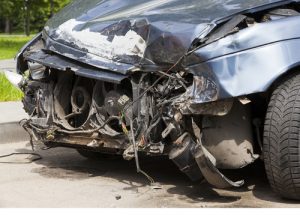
(62, 178)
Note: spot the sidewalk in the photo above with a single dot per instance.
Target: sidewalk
(11, 112)
(9, 64)
(10, 115)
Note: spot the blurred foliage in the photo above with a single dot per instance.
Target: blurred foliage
(13, 14)
(7, 91)
(10, 45)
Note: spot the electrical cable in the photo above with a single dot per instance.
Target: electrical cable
(135, 148)
(39, 157)
(153, 85)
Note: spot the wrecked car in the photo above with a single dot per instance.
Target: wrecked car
(213, 85)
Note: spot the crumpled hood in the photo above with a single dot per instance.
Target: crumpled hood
(135, 32)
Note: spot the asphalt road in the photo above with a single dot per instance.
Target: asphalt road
(62, 178)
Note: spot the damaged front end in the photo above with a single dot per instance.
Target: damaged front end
(128, 82)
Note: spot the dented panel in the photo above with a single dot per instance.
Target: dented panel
(151, 32)
(250, 71)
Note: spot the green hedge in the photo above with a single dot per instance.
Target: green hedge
(10, 45)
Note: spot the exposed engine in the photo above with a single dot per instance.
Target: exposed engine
(66, 108)
(139, 114)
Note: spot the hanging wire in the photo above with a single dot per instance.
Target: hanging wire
(164, 74)
(38, 157)
(135, 148)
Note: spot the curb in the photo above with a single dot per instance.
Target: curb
(12, 132)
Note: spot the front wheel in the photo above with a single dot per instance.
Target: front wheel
(281, 139)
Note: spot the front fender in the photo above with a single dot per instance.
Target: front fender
(247, 72)
(243, 63)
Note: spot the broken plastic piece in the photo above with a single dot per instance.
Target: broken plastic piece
(206, 163)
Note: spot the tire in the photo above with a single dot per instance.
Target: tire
(281, 148)
(96, 155)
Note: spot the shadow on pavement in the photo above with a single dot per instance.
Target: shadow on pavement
(68, 164)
